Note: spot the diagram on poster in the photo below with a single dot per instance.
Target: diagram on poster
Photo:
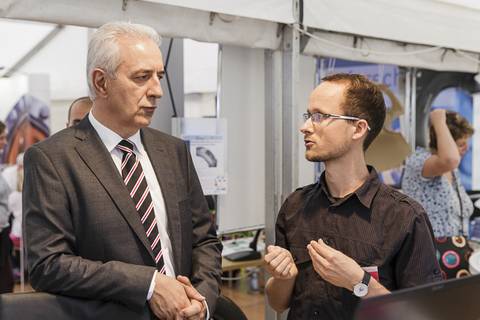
(206, 139)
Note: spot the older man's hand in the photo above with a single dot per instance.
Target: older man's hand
(169, 298)
(197, 310)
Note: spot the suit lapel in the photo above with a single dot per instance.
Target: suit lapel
(158, 152)
(98, 159)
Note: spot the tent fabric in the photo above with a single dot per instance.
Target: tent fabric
(349, 47)
(443, 23)
(270, 10)
(169, 21)
(382, 25)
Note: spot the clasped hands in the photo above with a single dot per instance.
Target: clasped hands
(332, 265)
(176, 299)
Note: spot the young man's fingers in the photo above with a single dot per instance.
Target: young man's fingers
(283, 265)
(272, 254)
(315, 255)
(321, 248)
(278, 260)
(287, 270)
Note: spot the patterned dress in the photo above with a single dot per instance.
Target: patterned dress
(438, 196)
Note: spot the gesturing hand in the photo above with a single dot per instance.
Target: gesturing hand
(334, 266)
(279, 263)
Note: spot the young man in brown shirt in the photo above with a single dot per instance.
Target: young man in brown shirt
(348, 236)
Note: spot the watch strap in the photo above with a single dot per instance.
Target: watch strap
(366, 278)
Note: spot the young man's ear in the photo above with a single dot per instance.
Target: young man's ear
(99, 80)
(361, 129)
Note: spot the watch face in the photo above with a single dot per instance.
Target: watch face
(360, 290)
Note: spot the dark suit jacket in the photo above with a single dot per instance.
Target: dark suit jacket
(83, 235)
(41, 305)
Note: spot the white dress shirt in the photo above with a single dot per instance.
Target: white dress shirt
(111, 139)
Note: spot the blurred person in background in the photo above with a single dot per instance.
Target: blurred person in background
(15, 205)
(6, 276)
(431, 175)
(78, 110)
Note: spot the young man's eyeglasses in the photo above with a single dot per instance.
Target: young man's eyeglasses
(318, 117)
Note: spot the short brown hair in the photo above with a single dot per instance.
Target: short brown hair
(363, 99)
(459, 128)
(2, 127)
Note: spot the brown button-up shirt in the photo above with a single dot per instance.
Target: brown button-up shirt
(376, 226)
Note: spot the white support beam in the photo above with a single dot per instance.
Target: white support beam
(290, 116)
(273, 150)
(476, 143)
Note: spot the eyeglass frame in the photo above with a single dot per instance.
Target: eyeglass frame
(324, 116)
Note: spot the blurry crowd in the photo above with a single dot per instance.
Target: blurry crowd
(11, 180)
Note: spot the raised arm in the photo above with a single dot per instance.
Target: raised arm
(447, 157)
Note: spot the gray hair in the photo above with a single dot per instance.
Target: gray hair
(103, 51)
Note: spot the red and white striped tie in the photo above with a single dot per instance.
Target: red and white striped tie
(134, 179)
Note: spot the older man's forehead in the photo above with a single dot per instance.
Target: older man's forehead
(136, 60)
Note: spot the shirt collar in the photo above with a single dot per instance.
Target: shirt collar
(110, 138)
(365, 193)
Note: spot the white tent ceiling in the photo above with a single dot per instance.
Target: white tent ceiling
(431, 22)
(169, 21)
(270, 10)
(364, 30)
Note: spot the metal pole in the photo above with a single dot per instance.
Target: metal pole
(407, 121)
(281, 125)
(273, 151)
(290, 118)
(219, 82)
(413, 108)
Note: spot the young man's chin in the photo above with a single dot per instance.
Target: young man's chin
(312, 157)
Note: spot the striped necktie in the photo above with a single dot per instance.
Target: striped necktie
(134, 178)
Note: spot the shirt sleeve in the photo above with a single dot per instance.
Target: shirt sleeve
(416, 262)
(152, 286)
(207, 316)
(280, 232)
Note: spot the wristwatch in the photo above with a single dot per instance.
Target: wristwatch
(361, 289)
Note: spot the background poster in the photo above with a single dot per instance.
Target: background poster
(206, 138)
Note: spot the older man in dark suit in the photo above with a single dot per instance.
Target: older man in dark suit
(114, 210)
